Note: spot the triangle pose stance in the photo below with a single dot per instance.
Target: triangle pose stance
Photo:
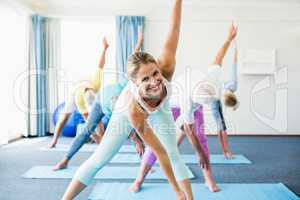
(100, 113)
(82, 99)
(188, 122)
(143, 104)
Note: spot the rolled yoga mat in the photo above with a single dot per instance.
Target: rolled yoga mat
(108, 172)
(163, 191)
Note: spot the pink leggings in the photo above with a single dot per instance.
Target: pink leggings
(149, 156)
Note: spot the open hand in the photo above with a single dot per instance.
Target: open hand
(140, 148)
(203, 160)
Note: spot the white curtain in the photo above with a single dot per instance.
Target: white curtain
(53, 63)
(52, 58)
(32, 93)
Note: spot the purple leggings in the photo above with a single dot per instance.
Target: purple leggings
(149, 156)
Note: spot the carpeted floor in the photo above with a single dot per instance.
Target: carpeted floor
(275, 159)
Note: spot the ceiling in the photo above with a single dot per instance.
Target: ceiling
(143, 7)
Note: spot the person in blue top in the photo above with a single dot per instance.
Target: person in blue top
(231, 101)
(101, 112)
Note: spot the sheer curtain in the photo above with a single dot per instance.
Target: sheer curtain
(44, 66)
(127, 35)
(53, 65)
(37, 100)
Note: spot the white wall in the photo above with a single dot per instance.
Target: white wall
(13, 62)
(264, 24)
(204, 31)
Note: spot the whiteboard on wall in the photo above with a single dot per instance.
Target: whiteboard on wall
(258, 62)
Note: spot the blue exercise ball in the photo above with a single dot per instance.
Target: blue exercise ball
(105, 121)
(70, 127)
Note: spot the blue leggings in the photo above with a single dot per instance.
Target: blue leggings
(216, 107)
(118, 131)
(95, 116)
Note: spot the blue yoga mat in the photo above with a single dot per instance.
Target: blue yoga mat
(87, 148)
(108, 172)
(187, 158)
(135, 159)
(163, 191)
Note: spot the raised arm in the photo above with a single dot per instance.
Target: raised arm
(138, 119)
(167, 59)
(234, 66)
(139, 44)
(235, 56)
(232, 84)
(223, 50)
(102, 57)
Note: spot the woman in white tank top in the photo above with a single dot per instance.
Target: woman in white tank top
(144, 106)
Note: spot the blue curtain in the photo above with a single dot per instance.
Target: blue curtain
(38, 24)
(127, 35)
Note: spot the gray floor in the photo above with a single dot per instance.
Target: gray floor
(275, 159)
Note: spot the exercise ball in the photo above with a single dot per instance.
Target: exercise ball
(70, 127)
(105, 121)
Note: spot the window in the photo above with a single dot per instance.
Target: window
(81, 46)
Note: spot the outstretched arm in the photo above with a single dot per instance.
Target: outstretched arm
(235, 56)
(223, 50)
(139, 146)
(234, 72)
(139, 44)
(232, 84)
(102, 57)
(190, 132)
(167, 59)
(138, 119)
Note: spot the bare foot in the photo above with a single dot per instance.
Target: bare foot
(228, 155)
(181, 196)
(61, 165)
(135, 187)
(212, 187)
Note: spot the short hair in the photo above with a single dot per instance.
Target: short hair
(230, 99)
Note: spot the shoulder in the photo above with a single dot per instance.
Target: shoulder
(135, 111)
